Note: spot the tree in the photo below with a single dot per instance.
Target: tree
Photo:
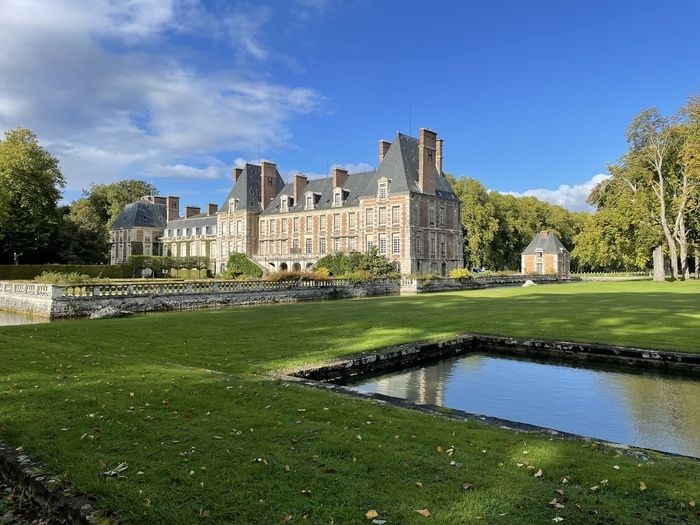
(478, 220)
(109, 199)
(84, 238)
(30, 187)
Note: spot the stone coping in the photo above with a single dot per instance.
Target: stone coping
(329, 375)
(46, 490)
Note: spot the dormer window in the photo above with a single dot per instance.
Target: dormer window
(382, 189)
(538, 254)
(337, 197)
(309, 201)
(232, 205)
(284, 204)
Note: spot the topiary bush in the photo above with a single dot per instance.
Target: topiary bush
(460, 274)
(239, 264)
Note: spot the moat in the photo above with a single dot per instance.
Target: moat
(645, 408)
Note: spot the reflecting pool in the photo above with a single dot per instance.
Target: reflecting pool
(10, 318)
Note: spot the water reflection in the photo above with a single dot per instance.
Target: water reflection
(10, 318)
(647, 409)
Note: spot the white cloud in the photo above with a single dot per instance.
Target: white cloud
(570, 197)
(355, 168)
(109, 95)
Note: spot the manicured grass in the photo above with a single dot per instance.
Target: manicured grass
(236, 447)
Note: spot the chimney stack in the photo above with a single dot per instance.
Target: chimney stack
(384, 146)
(212, 208)
(268, 186)
(159, 200)
(299, 185)
(438, 156)
(192, 210)
(340, 175)
(427, 170)
(237, 173)
(173, 207)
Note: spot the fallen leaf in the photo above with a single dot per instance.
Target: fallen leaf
(371, 514)
(378, 522)
(538, 474)
(423, 512)
(560, 492)
(616, 467)
(466, 485)
(306, 493)
(691, 503)
(594, 488)
(439, 450)
(116, 471)
(564, 480)
(642, 485)
(557, 519)
(419, 484)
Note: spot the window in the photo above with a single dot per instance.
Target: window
(196, 230)
(284, 204)
(395, 214)
(382, 216)
(352, 221)
(441, 216)
(443, 253)
(296, 224)
(309, 202)
(309, 245)
(369, 242)
(369, 217)
(231, 206)
(222, 249)
(352, 244)
(187, 232)
(382, 190)
(336, 221)
(239, 246)
(396, 244)
(419, 243)
(539, 267)
(263, 227)
(261, 247)
(272, 248)
(239, 227)
(295, 245)
(284, 226)
(322, 223)
(431, 242)
(273, 226)
(538, 254)
(431, 216)
(322, 245)
(336, 244)
(309, 223)
(337, 198)
(205, 230)
(177, 232)
(382, 243)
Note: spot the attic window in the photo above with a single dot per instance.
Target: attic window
(338, 197)
(309, 201)
(382, 190)
(538, 254)
(232, 205)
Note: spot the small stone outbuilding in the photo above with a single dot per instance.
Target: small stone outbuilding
(546, 255)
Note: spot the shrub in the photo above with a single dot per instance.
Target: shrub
(358, 277)
(460, 274)
(239, 264)
(335, 263)
(429, 277)
(65, 278)
(284, 275)
(342, 264)
(30, 271)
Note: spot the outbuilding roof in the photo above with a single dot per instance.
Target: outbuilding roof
(140, 214)
(546, 242)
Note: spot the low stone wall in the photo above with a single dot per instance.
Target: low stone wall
(62, 301)
(409, 286)
(57, 301)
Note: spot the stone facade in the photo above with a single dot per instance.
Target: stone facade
(405, 208)
(546, 255)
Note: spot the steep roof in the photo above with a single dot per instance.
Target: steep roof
(545, 241)
(400, 166)
(140, 214)
(199, 220)
(247, 189)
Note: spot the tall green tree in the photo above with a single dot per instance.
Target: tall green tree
(83, 235)
(30, 188)
(478, 220)
(109, 199)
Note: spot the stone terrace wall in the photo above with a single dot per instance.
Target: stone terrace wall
(61, 301)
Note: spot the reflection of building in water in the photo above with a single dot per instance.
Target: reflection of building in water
(425, 386)
(667, 408)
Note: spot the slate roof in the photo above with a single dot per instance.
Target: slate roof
(247, 189)
(400, 165)
(545, 241)
(199, 220)
(141, 214)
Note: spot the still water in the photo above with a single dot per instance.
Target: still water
(643, 408)
(9, 318)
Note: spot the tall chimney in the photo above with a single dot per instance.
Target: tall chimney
(192, 210)
(384, 146)
(340, 175)
(299, 185)
(212, 208)
(159, 200)
(237, 173)
(268, 176)
(173, 207)
(438, 156)
(427, 171)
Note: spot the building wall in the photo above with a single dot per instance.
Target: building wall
(552, 263)
(134, 241)
(237, 232)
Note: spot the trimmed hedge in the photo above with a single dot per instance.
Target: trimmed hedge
(29, 271)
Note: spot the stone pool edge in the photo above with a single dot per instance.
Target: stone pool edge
(326, 376)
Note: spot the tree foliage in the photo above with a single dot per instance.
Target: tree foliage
(109, 199)
(371, 263)
(30, 188)
(239, 265)
(83, 235)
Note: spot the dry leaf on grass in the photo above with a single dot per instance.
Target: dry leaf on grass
(423, 512)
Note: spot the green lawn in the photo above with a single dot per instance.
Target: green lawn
(206, 447)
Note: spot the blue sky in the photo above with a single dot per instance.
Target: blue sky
(530, 97)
